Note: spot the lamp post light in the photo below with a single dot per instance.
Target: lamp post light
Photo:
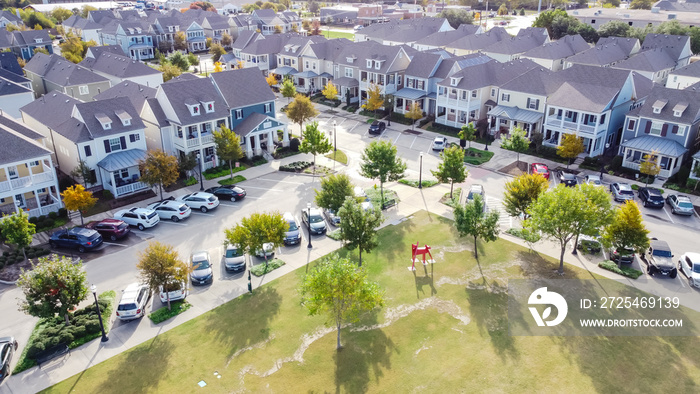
(199, 163)
(308, 212)
(335, 139)
(420, 172)
(93, 288)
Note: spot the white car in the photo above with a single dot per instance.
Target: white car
(200, 200)
(689, 264)
(269, 250)
(179, 293)
(142, 218)
(439, 143)
(171, 210)
(593, 180)
(134, 301)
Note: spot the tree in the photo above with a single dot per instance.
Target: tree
(169, 71)
(160, 266)
(180, 41)
(546, 18)
(522, 192)
(571, 146)
(315, 142)
(374, 98)
(288, 89)
(330, 91)
(85, 10)
(228, 146)
(179, 60)
(472, 219)
(192, 59)
(341, 290)
(615, 29)
(186, 163)
(650, 166)
(598, 211)
(203, 5)
(626, 229)
(467, 133)
(414, 114)
(76, 198)
(256, 230)
(314, 7)
(74, 50)
(587, 32)
(563, 25)
(271, 79)
(278, 29)
(457, 17)
(53, 287)
(300, 110)
(358, 227)
(217, 50)
(451, 168)
(17, 230)
(84, 172)
(316, 27)
(334, 189)
(61, 14)
(226, 40)
(502, 10)
(159, 168)
(517, 142)
(380, 161)
(217, 67)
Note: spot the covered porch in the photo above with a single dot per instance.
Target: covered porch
(120, 172)
(197, 44)
(348, 87)
(405, 99)
(258, 132)
(141, 52)
(668, 154)
(37, 202)
(504, 118)
(307, 82)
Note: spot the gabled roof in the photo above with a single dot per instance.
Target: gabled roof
(492, 73)
(60, 71)
(674, 45)
(691, 70)
(101, 16)
(199, 90)
(96, 51)
(559, 49)
(9, 88)
(588, 88)
(158, 112)
(243, 87)
(538, 81)
(651, 60)
(360, 52)
(6, 38)
(249, 124)
(51, 109)
(329, 49)
(11, 17)
(8, 61)
(515, 45)
(93, 112)
(18, 127)
(136, 93)
(32, 37)
(118, 65)
(10, 76)
(272, 44)
(442, 38)
(477, 42)
(18, 148)
(608, 50)
(423, 65)
(406, 30)
(447, 66)
(245, 37)
(687, 100)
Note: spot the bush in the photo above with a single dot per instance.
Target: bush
(523, 234)
(191, 181)
(53, 215)
(591, 163)
(33, 220)
(107, 195)
(62, 212)
(624, 271)
(414, 182)
(426, 120)
(335, 234)
(262, 269)
(294, 144)
(41, 218)
(616, 163)
(163, 314)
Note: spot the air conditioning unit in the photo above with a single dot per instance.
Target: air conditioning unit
(671, 16)
(655, 10)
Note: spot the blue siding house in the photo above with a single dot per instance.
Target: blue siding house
(134, 38)
(26, 42)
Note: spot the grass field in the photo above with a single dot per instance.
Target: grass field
(443, 329)
(338, 34)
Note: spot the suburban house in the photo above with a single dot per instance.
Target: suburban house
(607, 52)
(165, 28)
(319, 56)
(553, 54)
(241, 23)
(49, 73)
(8, 61)
(307, 73)
(119, 68)
(676, 47)
(196, 40)
(654, 64)
(665, 126)
(133, 37)
(27, 41)
(267, 20)
(214, 26)
(441, 39)
(404, 32)
(101, 17)
(244, 39)
(476, 42)
(15, 93)
(263, 53)
(86, 29)
(8, 18)
(512, 48)
(251, 103)
(27, 176)
(683, 77)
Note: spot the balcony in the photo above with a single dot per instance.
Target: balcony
(26, 181)
(194, 142)
(585, 129)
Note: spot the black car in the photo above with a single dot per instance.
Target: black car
(651, 197)
(660, 259)
(8, 346)
(227, 192)
(80, 238)
(568, 179)
(377, 127)
(623, 255)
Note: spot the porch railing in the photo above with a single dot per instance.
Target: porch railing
(130, 188)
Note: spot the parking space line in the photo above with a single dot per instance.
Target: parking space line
(274, 180)
(669, 215)
(173, 223)
(263, 188)
(227, 205)
(204, 214)
(397, 138)
(115, 244)
(353, 127)
(414, 141)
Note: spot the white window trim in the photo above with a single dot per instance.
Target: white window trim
(239, 114)
(83, 89)
(656, 128)
(268, 107)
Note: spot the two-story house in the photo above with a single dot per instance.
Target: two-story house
(317, 57)
(15, 92)
(27, 41)
(472, 43)
(165, 28)
(607, 52)
(27, 176)
(196, 39)
(86, 29)
(215, 26)
(654, 64)
(512, 48)
(683, 77)
(251, 103)
(50, 73)
(665, 126)
(308, 76)
(263, 53)
(403, 32)
(676, 47)
(8, 18)
(552, 55)
(118, 68)
(134, 38)
(268, 21)
(441, 39)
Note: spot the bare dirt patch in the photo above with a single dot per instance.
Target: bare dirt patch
(515, 168)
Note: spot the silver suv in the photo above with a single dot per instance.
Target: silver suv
(134, 301)
(142, 218)
(200, 200)
(621, 191)
(680, 205)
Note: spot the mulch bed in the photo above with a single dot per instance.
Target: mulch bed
(515, 168)
(10, 273)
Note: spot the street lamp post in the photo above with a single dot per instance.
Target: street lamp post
(420, 172)
(201, 182)
(308, 212)
(335, 139)
(99, 315)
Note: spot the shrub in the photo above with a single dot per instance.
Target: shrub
(682, 175)
(107, 195)
(62, 212)
(624, 271)
(31, 255)
(33, 220)
(66, 336)
(692, 183)
(35, 348)
(41, 218)
(426, 120)
(191, 181)
(591, 163)
(616, 163)
(92, 326)
(523, 234)
(163, 314)
(294, 144)
(262, 269)
(53, 215)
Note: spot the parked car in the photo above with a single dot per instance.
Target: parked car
(623, 255)
(651, 197)
(200, 200)
(234, 259)
(621, 191)
(293, 235)
(171, 210)
(227, 192)
(540, 168)
(567, 179)
(377, 127)
(80, 238)
(358, 27)
(680, 204)
(477, 190)
(314, 220)
(142, 218)
(8, 347)
(176, 291)
(659, 259)
(360, 193)
(269, 249)
(332, 217)
(111, 229)
(134, 301)
(202, 273)
(592, 180)
(439, 143)
(689, 264)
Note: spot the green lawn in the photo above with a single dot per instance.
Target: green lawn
(477, 156)
(443, 329)
(338, 156)
(338, 34)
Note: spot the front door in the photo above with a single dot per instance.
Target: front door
(19, 199)
(12, 172)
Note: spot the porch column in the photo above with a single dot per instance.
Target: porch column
(270, 141)
(38, 202)
(114, 183)
(249, 147)
(258, 151)
(285, 137)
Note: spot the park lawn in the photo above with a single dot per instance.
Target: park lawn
(338, 34)
(338, 156)
(443, 329)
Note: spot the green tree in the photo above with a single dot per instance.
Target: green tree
(300, 110)
(414, 114)
(228, 146)
(314, 7)
(179, 60)
(467, 133)
(180, 41)
(169, 71)
(571, 146)
(380, 161)
(288, 89)
(546, 18)
(74, 50)
(650, 166)
(85, 10)
(159, 168)
(192, 59)
(457, 17)
(76, 198)
(358, 226)
(84, 172)
(522, 192)
(61, 14)
(334, 189)
(502, 10)
(216, 50)
(256, 230)
(451, 168)
(226, 40)
(696, 173)
(626, 229)
(160, 266)
(330, 91)
(315, 142)
(339, 289)
(374, 98)
(598, 211)
(16, 230)
(517, 142)
(563, 25)
(472, 219)
(615, 28)
(587, 32)
(53, 287)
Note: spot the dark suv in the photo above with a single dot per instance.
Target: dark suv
(112, 229)
(651, 197)
(377, 127)
(567, 178)
(79, 238)
(660, 259)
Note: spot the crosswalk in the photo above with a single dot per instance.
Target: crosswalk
(495, 204)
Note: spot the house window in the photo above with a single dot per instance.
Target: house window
(268, 107)
(125, 172)
(239, 114)
(134, 137)
(681, 130)
(348, 72)
(453, 81)
(114, 144)
(505, 97)
(655, 128)
(493, 92)
(369, 64)
(602, 118)
(464, 94)
(209, 107)
(533, 103)
(377, 65)
(88, 151)
(630, 125)
(84, 89)
(474, 93)
(677, 114)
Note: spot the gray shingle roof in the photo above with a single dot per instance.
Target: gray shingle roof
(158, 112)
(93, 110)
(20, 128)
(30, 37)
(442, 38)
(492, 73)
(672, 44)
(8, 88)
(423, 65)
(17, 148)
(369, 50)
(244, 38)
(608, 50)
(691, 70)
(651, 60)
(118, 65)
(8, 61)
(588, 88)
(198, 90)
(243, 87)
(405, 31)
(96, 51)
(515, 45)
(10, 76)
(60, 71)
(477, 42)
(690, 114)
(269, 45)
(137, 93)
(560, 49)
(51, 109)
(539, 81)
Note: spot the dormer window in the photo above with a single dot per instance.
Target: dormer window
(104, 120)
(369, 64)
(377, 65)
(677, 114)
(658, 106)
(170, 29)
(209, 107)
(194, 109)
(679, 108)
(124, 117)
(39, 40)
(349, 59)
(453, 81)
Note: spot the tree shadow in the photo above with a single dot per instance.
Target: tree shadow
(488, 308)
(425, 280)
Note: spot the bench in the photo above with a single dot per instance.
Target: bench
(52, 353)
(389, 203)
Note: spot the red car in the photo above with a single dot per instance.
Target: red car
(540, 168)
(112, 229)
